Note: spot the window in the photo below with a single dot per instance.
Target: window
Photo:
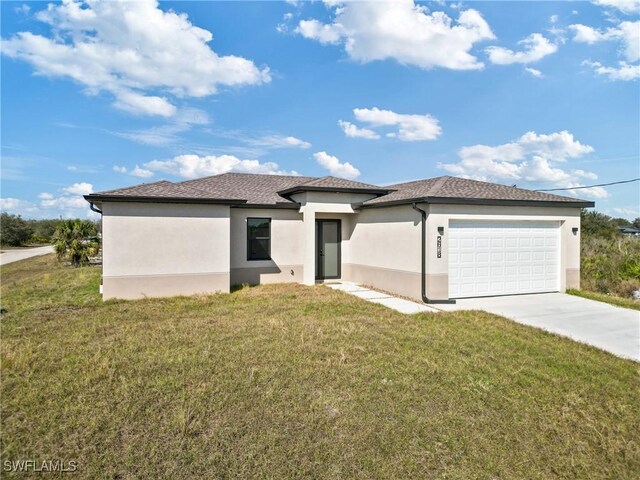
(258, 239)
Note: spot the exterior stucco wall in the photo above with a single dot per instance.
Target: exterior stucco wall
(152, 249)
(329, 202)
(170, 249)
(287, 242)
(385, 249)
(314, 205)
(441, 215)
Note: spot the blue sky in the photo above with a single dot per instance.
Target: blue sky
(103, 95)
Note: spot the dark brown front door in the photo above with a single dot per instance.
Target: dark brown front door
(328, 238)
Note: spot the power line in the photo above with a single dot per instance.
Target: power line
(589, 186)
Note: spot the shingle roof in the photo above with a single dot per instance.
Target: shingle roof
(255, 189)
(334, 184)
(462, 188)
(161, 189)
(241, 188)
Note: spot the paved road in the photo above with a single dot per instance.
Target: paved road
(614, 329)
(10, 256)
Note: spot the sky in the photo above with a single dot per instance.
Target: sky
(102, 95)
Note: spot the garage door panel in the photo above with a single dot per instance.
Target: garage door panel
(501, 258)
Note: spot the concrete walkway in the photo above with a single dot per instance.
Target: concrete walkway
(395, 303)
(613, 329)
(10, 256)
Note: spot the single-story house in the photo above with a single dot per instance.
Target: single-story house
(634, 231)
(433, 240)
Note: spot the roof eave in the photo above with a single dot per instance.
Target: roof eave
(301, 189)
(93, 198)
(483, 201)
(282, 205)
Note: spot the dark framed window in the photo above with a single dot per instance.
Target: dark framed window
(258, 238)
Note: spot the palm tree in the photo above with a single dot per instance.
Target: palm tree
(76, 240)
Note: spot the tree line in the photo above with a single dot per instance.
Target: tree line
(74, 239)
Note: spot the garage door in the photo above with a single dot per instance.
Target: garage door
(503, 258)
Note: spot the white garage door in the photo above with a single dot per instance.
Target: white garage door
(503, 258)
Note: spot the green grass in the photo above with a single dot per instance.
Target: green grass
(287, 381)
(603, 297)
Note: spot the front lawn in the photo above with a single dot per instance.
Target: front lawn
(603, 297)
(289, 381)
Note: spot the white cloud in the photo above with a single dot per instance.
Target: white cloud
(402, 31)
(531, 159)
(133, 50)
(194, 166)
(184, 120)
(535, 72)
(623, 72)
(23, 9)
(353, 131)
(586, 34)
(70, 202)
(277, 141)
(410, 127)
(631, 212)
(628, 33)
(141, 172)
(136, 171)
(553, 18)
(333, 165)
(536, 47)
(321, 32)
(64, 203)
(625, 6)
(79, 189)
(16, 206)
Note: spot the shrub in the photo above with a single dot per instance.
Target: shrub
(610, 262)
(76, 240)
(14, 230)
(43, 230)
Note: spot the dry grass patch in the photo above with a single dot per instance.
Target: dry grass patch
(287, 381)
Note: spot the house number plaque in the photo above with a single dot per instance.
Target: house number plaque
(439, 246)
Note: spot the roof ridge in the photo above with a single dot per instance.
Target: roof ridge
(438, 184)
(418, 180)
(314, 179)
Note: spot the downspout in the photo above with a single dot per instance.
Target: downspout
(423, 276)
(94, 208)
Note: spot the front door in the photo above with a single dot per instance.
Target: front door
(328, 237)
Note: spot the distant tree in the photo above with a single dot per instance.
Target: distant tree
(621, 222)
(14, 230)
(76, 240)
(597, 224)
(43, 230)
(636, 222)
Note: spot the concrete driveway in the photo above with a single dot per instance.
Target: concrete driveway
(10, 256)
(614, 329)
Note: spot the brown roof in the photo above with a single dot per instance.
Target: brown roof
(441, 189)
(334, 184)
(161, 189)
(256, 189)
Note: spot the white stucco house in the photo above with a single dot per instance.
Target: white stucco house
(433, 240)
